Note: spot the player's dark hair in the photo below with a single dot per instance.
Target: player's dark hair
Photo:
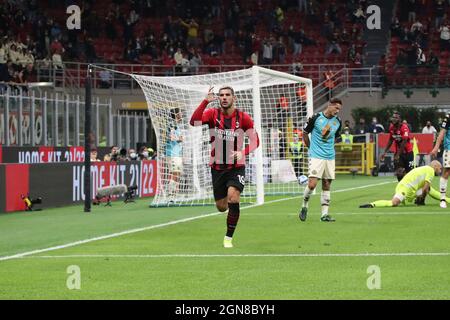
(336, 101)
(227, 88)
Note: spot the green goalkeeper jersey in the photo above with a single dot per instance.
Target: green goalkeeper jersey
(415, 179)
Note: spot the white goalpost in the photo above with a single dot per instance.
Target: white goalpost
(279, 104)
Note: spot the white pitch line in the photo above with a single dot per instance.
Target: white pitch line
(118, 234)
(368, 212)
(249, 255)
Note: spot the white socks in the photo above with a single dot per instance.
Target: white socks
(172, 187)
(443, 187)
(307, 193)
(325, 202)
(325, 198)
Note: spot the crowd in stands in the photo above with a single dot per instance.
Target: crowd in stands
(422, 31)
(18, 47)
(280, 37)
(181, 34)
(118, 155)
(362, 128)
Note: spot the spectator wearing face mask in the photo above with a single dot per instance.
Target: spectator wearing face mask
(132, 155)
(376, 127)
(143, 153)
(347, 125)
(361, 128)
(346, 147)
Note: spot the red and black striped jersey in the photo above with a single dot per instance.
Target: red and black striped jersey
(398, 135)
(227, 135)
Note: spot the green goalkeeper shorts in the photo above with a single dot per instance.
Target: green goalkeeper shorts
(405, 193)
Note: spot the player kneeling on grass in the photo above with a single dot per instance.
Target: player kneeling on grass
(414, 187)
(228, 128)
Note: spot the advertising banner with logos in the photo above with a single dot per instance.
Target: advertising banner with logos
(42, 154)
(61, 184)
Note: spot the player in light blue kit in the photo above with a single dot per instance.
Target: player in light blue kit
(444, 136)
(174, 152)
(324, 128)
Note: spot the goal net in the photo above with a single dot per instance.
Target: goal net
(279, 104)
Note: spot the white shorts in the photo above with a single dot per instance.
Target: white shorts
(322, 169)
(446, 158)
(176, 164)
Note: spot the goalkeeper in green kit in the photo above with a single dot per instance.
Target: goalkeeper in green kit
(413, 188)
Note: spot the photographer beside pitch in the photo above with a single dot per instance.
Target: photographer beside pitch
(228, 128)
(324, 128)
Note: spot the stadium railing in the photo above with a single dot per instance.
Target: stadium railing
(345, 80)
(355, 158)
(73, 74)
(56, 119)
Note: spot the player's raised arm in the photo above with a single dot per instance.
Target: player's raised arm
(200, 117)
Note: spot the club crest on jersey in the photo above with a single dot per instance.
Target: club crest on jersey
(326, 132)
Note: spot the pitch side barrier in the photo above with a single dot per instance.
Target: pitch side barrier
(62, 184)
(46, 154)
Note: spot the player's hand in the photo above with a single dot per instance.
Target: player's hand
(383, 156)
(211, 96)
(434, 153)
(396, 157)
(237, 155)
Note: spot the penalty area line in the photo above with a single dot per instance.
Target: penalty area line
(131, 231)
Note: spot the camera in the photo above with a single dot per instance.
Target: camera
(29, 202)
(129, 195)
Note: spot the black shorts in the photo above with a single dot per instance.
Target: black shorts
(405, 161)
(223, 179)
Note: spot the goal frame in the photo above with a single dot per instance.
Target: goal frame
(257, 71)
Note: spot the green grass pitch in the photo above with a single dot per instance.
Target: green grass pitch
(276, 256)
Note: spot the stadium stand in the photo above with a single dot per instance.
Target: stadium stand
(226, 32)
(417, 54)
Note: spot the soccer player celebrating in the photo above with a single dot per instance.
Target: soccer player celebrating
(228, 127)
(399, 134)
(415, 185)
(444, 136)
(325, 129)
